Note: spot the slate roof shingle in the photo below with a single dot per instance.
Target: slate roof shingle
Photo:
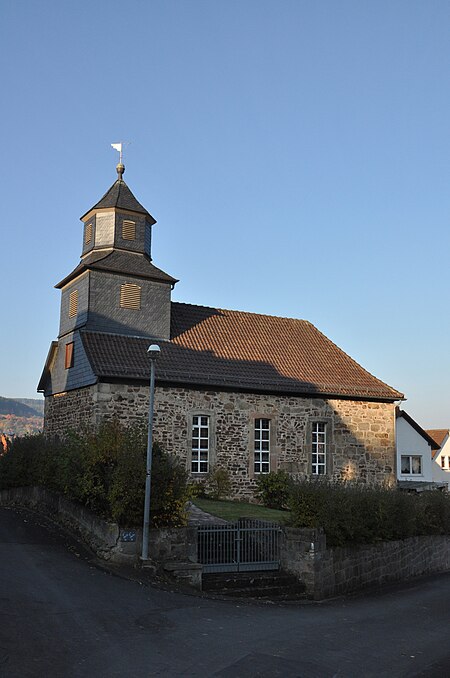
(119, 261)
(120, 196)
(234, 349)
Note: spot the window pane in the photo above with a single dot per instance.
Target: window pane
(417, 464)
(405, 465)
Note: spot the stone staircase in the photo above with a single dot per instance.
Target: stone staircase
(269, 585)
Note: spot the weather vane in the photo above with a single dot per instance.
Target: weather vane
(119, 146)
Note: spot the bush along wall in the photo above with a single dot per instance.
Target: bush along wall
(354, 513)
(104, 471)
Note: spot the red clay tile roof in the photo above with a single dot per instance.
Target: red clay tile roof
(233, 349)
(438, 435)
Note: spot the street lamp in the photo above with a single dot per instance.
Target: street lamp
(153, 352)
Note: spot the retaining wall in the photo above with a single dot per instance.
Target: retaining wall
(106, 539)
(330, 572)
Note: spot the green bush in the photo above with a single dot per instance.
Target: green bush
(357, 514)
(103, 470)
(274, 489)
(217, 485)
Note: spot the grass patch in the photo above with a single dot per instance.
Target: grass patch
(233, 510)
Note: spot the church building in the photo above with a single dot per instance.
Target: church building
(246, 392)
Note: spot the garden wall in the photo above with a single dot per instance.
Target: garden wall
(331, 572)
(106, 539)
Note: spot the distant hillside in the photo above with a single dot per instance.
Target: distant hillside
(35, 403)
(22, 407)
(19, 416)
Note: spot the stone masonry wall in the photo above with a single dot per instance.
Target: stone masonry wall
(71, 410)
(361, 440)
(331, 572)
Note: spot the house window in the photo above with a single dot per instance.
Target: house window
(88, 233)
(443, 462)
(262, 446)
(319, 448)
(128, 230)
(68, 359)
(130, 296)
(411, 464)
(200, 444)
(73, 303)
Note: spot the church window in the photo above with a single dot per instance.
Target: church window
(262, 446)
(319, 451)
(128, 230)
(88, 233)
(69, 358)
(73, 303)
(130, 296)
(200, 444)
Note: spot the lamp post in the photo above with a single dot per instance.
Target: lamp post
(153, 352)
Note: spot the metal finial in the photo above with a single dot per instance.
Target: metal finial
(120, 168)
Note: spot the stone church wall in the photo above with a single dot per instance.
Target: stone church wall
(360, 435)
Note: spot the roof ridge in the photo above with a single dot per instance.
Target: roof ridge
(252, 313)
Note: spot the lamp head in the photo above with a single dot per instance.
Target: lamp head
(153, 351)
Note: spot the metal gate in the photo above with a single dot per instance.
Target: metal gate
(239, 547)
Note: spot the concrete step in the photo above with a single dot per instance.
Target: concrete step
(270, 585)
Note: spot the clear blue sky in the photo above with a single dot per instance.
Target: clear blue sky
(295, 155)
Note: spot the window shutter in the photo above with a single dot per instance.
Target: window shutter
(88, 233)
(130, 296)
(68, 361)
(128, 230)
(73, 303)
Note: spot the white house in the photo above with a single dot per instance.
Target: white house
(441, 456)
(415, 449)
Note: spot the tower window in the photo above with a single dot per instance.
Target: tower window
(130, 296)
(73, 303)
(88, 233)
(128, 230)
(68, 359)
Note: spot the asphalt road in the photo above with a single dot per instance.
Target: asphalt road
(60, 615)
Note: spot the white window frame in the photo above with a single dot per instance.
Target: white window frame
(200, 453)
(319, 448)
(411, 472)
(261, 446)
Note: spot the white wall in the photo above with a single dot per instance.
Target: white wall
(442, 475)
(408, 441)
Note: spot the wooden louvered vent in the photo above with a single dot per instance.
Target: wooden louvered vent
(73, 303)
(130, 296)
(88, 233)
(128, 230)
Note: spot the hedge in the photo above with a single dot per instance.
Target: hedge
(352, 513)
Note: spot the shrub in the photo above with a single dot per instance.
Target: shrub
(357, 514)
(217, 485)
(104, 470)
(274, 489)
